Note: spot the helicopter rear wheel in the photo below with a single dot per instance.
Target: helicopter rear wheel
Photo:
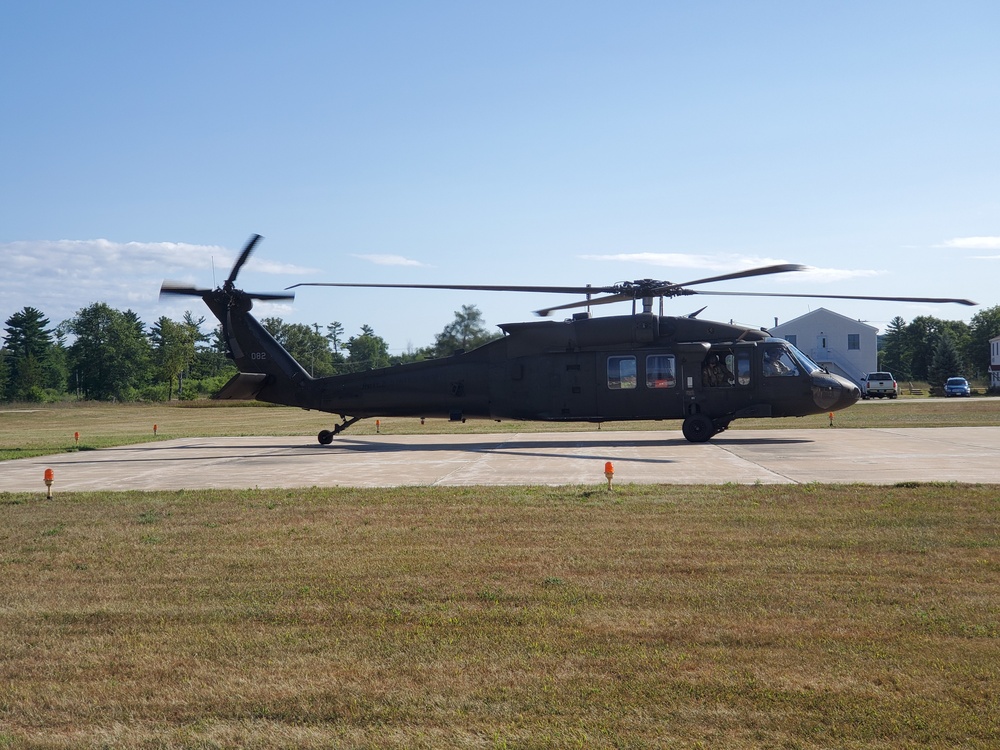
(325, 437)
(698, 428)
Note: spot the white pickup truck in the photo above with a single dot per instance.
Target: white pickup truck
(879, 385)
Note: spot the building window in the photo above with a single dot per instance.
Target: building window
(853, 341)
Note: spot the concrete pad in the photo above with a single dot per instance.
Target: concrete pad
(875, 456)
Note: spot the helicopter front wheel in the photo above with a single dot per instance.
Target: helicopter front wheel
(698, 428)
(325, 437)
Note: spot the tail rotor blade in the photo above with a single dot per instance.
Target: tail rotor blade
(244, 256)
(175, 287)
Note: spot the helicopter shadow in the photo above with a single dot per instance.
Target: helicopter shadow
(519, 449)
(543, 448)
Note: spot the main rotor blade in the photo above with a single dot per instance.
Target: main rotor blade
(843, 296)
(612, 289)
(545, 312)
(247, 249)
(474, 287)
(762, 271)
(647, 288)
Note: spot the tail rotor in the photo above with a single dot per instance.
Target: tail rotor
(228, 291)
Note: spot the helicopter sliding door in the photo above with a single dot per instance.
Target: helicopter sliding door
(638, 385)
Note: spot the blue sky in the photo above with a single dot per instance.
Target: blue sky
(522, 143)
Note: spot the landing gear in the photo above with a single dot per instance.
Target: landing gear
(325, 437)
(721, 424)
(698, 428)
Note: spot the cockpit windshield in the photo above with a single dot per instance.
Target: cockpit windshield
(807, 364)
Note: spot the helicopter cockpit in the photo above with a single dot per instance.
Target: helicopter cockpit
(782, 359)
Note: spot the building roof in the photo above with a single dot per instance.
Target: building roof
(821, 312)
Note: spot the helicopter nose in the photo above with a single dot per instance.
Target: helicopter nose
(832, 392)
(849, 395)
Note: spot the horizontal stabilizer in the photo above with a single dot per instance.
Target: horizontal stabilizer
(243, 386)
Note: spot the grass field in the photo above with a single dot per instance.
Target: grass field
(755, 616)
(795, 616)
(41, 430)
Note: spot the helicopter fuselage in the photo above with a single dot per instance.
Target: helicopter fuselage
(634, 367)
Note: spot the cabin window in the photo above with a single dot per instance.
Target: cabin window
(660, 371)
(621, 373)
(853, 341)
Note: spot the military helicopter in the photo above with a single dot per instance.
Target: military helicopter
(642, 366)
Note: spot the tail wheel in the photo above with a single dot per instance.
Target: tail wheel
(698, 428)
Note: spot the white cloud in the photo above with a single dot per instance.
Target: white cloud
(389, 260)
(277, 268)
(974, 243)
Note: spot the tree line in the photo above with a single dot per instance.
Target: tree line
(930, 349)
(104, 354)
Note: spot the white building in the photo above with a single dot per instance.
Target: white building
(995, 362)
(840, 344)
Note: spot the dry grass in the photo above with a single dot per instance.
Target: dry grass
(754, 616)
(33, 431)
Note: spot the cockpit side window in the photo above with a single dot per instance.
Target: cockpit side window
(779, 363)
(716, 369)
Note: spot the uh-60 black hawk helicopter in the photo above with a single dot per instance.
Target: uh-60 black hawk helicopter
(641, 366)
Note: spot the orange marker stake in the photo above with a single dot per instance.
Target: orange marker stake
(154, 430)
(609, 472)
(378, 425)
(831, 419)
(76, 437)
(50, 477)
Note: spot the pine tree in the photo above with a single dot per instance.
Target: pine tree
(28, 344)
(946, 361)
(894, 358)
